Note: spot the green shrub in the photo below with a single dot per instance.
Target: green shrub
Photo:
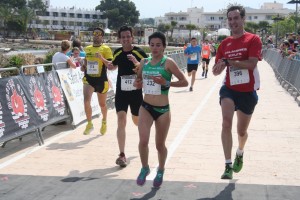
(15, 61)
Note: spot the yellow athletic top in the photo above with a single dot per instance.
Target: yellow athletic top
(95, 67)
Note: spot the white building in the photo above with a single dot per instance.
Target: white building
(72, 19)
(216, 20)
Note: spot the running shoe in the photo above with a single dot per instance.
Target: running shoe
(141, 179)
(88, 129)
(238, 163)
(121, 160)
(158, 178)
(227, 173)
(103, 128)
(202, 73)
(191, 89)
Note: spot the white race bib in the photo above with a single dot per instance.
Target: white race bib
(194, 56)
(92, 67)
(127, 82)
(238, 76)
(150, 87)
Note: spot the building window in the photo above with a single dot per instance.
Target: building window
(94, 16)
(269, 17)
(71, 15)
(55, 22)
(64, 14)
(79, 23)
(212, 18)
(250, 17)
(79, 15)
(221, 18)
(46, 22)
(255, 17)
(87, 16)
(71, 23)
(47, 14)
(55, 14)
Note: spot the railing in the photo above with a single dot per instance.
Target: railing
(287, 71)
(36, 96)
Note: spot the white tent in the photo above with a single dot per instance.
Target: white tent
(107, 30)
(224, 31)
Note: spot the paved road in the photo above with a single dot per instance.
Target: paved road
(73, 166)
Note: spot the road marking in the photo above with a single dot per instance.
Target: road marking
(184, 130)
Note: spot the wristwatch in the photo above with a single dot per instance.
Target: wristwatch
(226, 61)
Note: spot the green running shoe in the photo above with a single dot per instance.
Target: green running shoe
(158, 178)
(141, 179)
(238, 163)
(227, 173)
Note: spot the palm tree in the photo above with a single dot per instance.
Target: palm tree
(6, 15)
(173, 25)
(25, 16)
(167, 28)
(191, 27)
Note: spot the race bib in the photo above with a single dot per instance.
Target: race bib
(92, 67)
(150, 87)
(194, 56)
(238, 76)
(127, 82)
(205, 52)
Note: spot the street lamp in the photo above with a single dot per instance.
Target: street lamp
(276, 19)
(296, 14)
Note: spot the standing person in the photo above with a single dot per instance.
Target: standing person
(207, 49)
(95, 79)
(77, 43)
(239, 54)
(126, 58)
(193, 53)
(154, 76)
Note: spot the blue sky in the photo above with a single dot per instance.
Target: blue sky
(155, 8)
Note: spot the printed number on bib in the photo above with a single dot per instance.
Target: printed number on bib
(92, 67)
(238, 76)
(127, 82)
(194, 56)
(150, 87)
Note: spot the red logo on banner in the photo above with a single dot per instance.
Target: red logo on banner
(56, 94)
(38, 97)
(17, 103)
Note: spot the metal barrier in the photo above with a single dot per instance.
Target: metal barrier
(286, 70)
(35, 82)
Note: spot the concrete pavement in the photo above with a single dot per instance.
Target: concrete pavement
(73, 166)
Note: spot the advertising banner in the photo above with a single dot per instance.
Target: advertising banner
(71, 81)
(17, 114)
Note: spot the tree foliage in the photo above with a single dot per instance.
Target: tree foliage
(119, 12)
(190, 27)
(147, 21)
(18, 14)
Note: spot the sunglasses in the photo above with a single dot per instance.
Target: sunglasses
(97, 33)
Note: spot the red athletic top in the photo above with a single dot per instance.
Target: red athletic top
(248, 45)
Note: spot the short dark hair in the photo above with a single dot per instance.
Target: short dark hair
(159, 35)
(193, 38)
(99, 29)
(76, 43)
(239, 8)
(124, 28)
